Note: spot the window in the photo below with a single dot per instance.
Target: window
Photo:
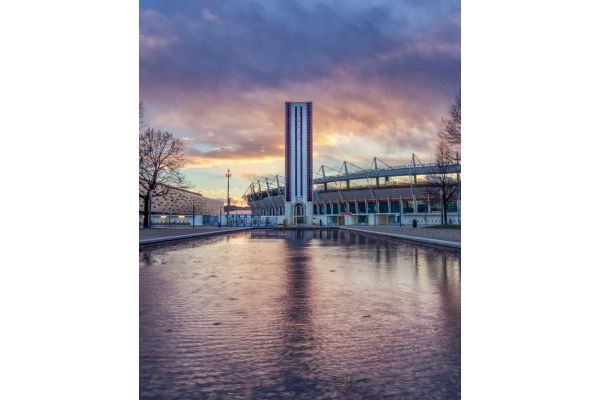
(361, 207)
(395, 206)
(299, 213)
(436, 206)
(383, 207)
(343, 207)
(328, 207)
(421, 206)
(371, 207)
(335, 209)
(315, 210)
(353, 208)
(409, 207)
(452, 206)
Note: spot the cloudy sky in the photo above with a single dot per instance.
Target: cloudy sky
(217, 73)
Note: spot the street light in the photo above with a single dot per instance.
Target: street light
(228, 175)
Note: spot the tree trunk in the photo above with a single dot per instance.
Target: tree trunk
(445, 213)
(146, 212)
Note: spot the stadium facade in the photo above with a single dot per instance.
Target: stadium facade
(382, 194)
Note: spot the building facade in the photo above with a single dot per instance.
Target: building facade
(368, 205)
(298, 164)
(183, 207)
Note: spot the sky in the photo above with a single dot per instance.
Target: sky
(380, 74)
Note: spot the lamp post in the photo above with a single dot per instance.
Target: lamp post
(228, 175)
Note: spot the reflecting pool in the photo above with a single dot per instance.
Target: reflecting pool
(299, 315)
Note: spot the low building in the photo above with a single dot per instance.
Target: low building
(237, 216)
(181, 207)
(238, 210)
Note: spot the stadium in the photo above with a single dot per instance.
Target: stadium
(380, 195)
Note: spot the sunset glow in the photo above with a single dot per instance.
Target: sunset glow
(380, 75)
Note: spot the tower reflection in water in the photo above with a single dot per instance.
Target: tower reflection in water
(299, 314)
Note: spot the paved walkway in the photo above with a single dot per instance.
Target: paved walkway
(157, 235)
(442, 237)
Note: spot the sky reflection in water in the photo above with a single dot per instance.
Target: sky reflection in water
(315, 314)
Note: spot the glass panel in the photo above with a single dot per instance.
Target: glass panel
(395, 206)
(422, 206)
(383, 207)
(335, 209)
(370, 207)
(409, 207)
(452, 207)
(361, 207)
(353, 208)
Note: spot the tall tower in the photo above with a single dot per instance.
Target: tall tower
(298, 163)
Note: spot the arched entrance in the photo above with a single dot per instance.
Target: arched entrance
(299, 214)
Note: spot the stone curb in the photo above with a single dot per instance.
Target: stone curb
(190, 235)
(446, 243)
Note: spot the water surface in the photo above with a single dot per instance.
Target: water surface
(302, 315)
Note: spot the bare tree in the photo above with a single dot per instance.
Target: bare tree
(444, 186)
(161, 158)
(451, 125)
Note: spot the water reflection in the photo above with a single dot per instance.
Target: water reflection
(314, 314)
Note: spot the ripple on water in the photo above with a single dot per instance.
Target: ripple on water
(315, 314)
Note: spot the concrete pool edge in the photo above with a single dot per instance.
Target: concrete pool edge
(163, 239)
(423, 240)
(438, 242)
